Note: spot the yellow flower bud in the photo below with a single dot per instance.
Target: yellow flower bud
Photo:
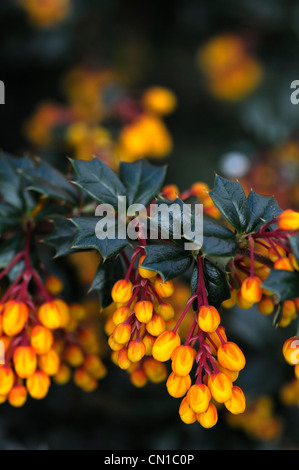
(266, 305)
(122, 333)
(41, 339)
(159, 100)
(63, 375)
(231, 357)
(290, 351)
(178, 386)
(120, 315)
(288, 220)
(165, 344)
(145, 273)
(283, 264)
(122, 359)
(148, 341)
(166, 311)
(164, 289)
(182, 360)
(251, 290)
(274, 253)
(144, 310)
(199, 397)
(17, 397)
(15, 316)
(49, 362)
(25, 361)
(122, 291)
(54, 285)
(50, 315)
(186, 413)
(136, 350)
(64, 312)
(74, 356)
(236, 403)
(208, 318)
(38, 385)
(156, 325)
(208, 418)
(138, 378)
(221, 387)
(155, 371)
(7, 379)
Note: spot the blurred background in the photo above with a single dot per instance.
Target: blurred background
(203, 87)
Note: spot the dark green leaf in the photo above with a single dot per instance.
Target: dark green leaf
(216, 283)
(10, 248)
(230, 198)
(142, 181)
(62, 237)
(294, 243)
(284, 284)
(169, 261)
(86, 238)
(262, 209)
(99, 181)
(218, 240)
(12, 184)
(107, 274)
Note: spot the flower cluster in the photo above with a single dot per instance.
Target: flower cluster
(43, 337)
(85, 122)
(231, 72)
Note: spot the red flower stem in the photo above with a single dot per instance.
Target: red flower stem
(189, 337)
(12, 264)
(201, 281)
(40, 285)
(12, 289)
(192, 298)
(133, 259)
(251, 243)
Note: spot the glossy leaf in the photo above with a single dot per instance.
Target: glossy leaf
(284, 284)
(218, 240)
(168, 260)
(62, 237)
(107, 274)
(262, 209)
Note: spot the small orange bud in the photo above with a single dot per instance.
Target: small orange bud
(283, 264)
(81, 377)
(166, 311)
(290, 350)
(136, 350)
(138, 378)
(7, 379)
(148, 340)
(49, 362)
(120, 315)
(25, 361)
(288, 220)
(122, 360)
(15, 316)
(231, 357)
(199, 397)
(266, 305)
(41, 339)
(251, 290)
(164, 289)
(182, 360)
(289, 309)
(17, 397)
(122, 291)
(113, 344)
(74, 356)
(199, 189)
(156, 325)
(122, 333)
(64, 312)
(63, 375)
(50, 316)
(177, 387)
(159, 100)
(208, 418)
(53, 285)
(242, 303)
(208, 318)
(170, 192)
(237, 403)
(186, 413)
(95, 366)
(165, 344)
(145, 273)
(144, 310)
(38, 385)
(155, 371)
(221, 386)
(233, 374)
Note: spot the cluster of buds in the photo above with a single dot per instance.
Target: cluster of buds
(141, 312)
(268, 250)
(215, 361)
(43, 338)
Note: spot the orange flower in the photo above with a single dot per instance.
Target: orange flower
(166, 311)
(251, 290)
(159, 100)
(50, 315)
(182, 360)
(138, 378)
(288, 220)
(237, 403)
(25, 361)
(53, 285)
(17, 397)
(122, 291)
(164, 289)
(186, 413)
(231, 357)
(15, 316)
(120, 315)
(284, 264)
(156, 325)
(122, 333)
(220, 386)
(178, 386)
(154, 370)
(38, 384)
(136, 350)
(144, 310)
(145, 273)
(63, 375)
(165, 344)
(199, 397)
(208, 418)
(208, 318)
(7, 379)
(49, 362)
(41, 339)
(290, 350)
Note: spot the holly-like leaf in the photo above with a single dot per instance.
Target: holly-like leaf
(216, 283)
(99, 181)
(62, 237)
(284, 284)
(218, 240)
(262, 209)
(168, 260)
(9, 217)
(294, 243)
(107, 274)
(230, 198)
(142, 180)
(86, 238)
(47, 180)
